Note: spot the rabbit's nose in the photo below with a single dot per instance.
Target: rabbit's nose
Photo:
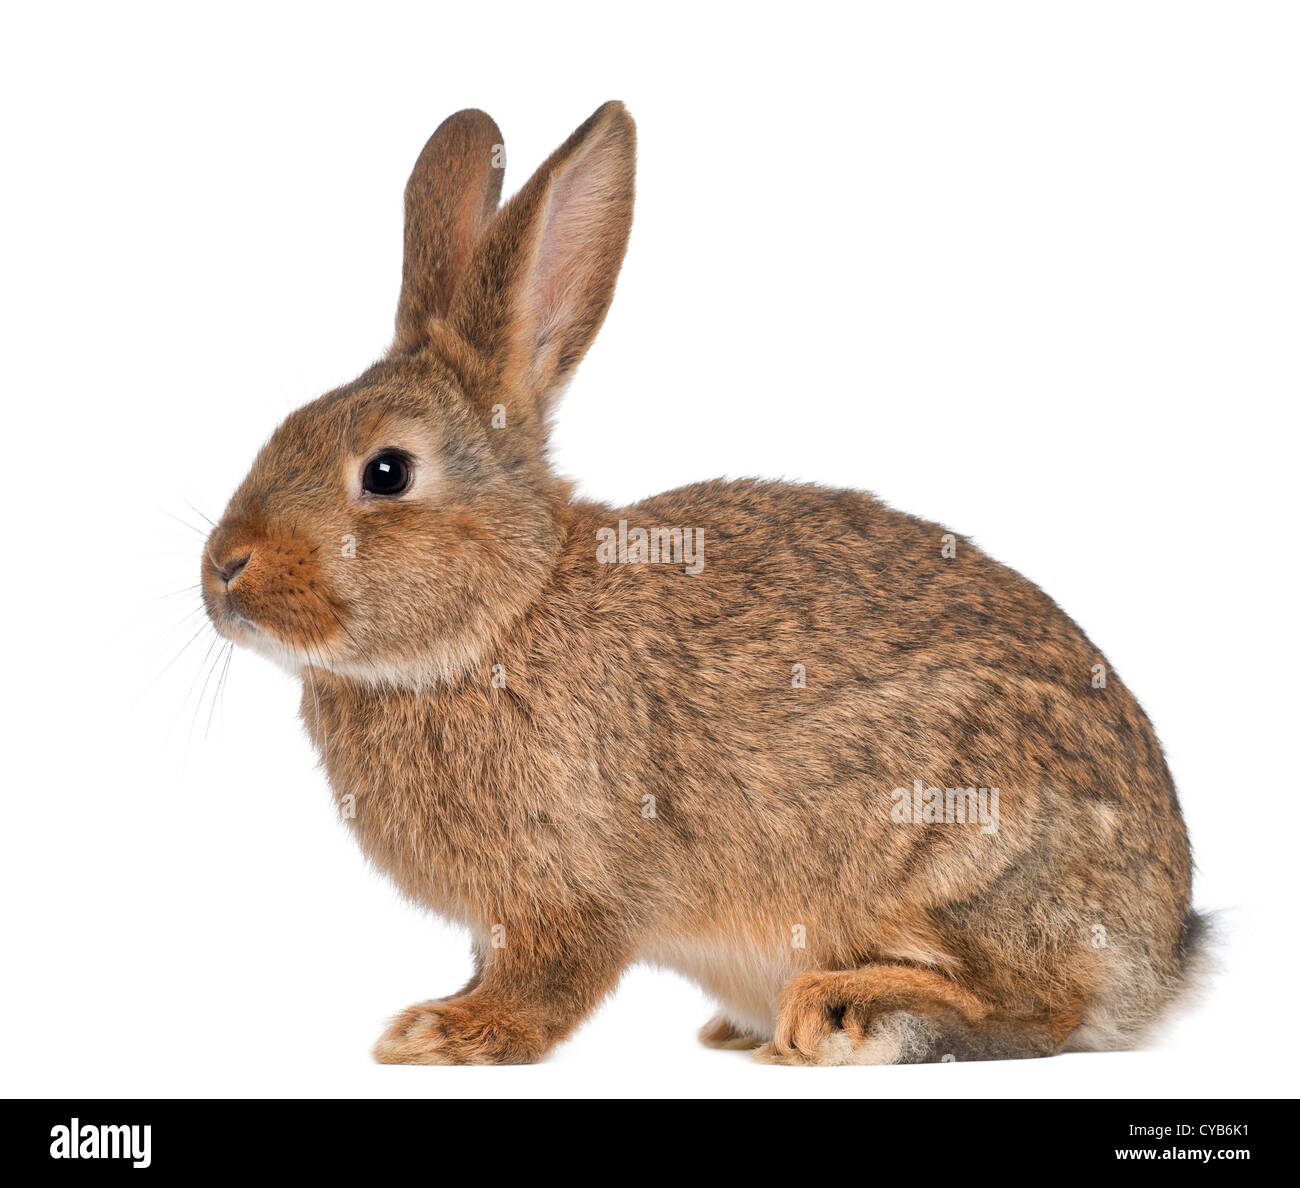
(233, 568)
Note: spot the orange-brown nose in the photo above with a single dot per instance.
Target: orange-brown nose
(233, 568)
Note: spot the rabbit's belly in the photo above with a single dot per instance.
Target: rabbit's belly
(746, 981)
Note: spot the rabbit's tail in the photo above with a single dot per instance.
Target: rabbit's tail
(1139, 1000)
(1196, 951)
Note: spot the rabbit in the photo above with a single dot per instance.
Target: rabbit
(872, 791)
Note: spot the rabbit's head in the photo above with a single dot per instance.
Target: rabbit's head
(390, 529)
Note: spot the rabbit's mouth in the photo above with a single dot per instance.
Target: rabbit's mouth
(264, 590)
(239, 628)
(233, 624)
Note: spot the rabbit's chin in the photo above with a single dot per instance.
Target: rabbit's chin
(247, 634)
(449, 663)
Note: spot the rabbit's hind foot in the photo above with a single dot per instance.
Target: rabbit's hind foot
(883, 1014)
(721, 1032)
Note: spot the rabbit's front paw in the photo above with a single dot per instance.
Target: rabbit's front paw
(469, 1030)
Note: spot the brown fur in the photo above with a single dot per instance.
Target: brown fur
(494, 707)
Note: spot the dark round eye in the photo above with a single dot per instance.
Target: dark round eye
(388, 473)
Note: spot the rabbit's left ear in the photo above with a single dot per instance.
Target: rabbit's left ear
(453, 193)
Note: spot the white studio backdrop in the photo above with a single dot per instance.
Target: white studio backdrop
(1026, 269)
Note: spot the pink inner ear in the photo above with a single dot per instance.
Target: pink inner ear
(574, 249)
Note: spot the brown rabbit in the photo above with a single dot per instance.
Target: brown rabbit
(873, 791)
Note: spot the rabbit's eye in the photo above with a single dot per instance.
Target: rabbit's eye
(388, 473)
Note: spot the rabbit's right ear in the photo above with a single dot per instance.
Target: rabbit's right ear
(452, 195)
(543, 273)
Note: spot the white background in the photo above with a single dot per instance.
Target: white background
(1027, 269)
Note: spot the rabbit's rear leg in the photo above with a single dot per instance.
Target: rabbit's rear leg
(721, 1032)
(892, 1014)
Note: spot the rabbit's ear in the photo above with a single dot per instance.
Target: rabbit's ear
(543, 273)
(452, 195)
